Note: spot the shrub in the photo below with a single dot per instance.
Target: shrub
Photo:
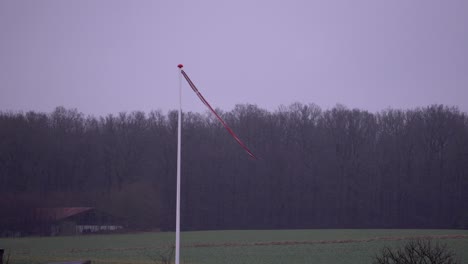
(417, 252)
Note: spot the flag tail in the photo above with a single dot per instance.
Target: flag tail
(205, 102)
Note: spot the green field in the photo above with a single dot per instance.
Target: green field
(210, 247)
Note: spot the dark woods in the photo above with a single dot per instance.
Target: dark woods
(338, 168)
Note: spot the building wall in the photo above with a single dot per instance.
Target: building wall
(96, 228)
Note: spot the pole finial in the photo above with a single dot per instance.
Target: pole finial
(180, 66)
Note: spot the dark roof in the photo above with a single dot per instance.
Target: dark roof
(60, 213)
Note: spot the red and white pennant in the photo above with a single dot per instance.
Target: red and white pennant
(204, 101)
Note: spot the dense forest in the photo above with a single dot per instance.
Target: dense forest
(334, 168)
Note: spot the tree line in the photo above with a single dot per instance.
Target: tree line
(333, 168)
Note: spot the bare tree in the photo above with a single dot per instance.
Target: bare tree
(417, 252)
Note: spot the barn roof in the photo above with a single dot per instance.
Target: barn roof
(60, 213)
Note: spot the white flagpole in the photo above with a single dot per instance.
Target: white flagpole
(179, 141)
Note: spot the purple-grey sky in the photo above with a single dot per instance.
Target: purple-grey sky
(109, 56)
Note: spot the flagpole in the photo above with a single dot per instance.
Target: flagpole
(179, 141)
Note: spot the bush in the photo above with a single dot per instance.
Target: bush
(417, 252)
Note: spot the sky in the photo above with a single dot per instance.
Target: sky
(110, 56)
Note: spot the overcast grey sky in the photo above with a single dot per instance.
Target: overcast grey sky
(109, 56)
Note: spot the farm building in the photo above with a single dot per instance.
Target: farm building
(75, 220)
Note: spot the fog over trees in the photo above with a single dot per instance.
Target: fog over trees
(335, 168)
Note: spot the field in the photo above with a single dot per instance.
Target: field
(336, 246)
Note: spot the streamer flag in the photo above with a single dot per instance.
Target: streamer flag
(205, 102)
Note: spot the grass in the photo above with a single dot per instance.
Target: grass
(236, 247)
